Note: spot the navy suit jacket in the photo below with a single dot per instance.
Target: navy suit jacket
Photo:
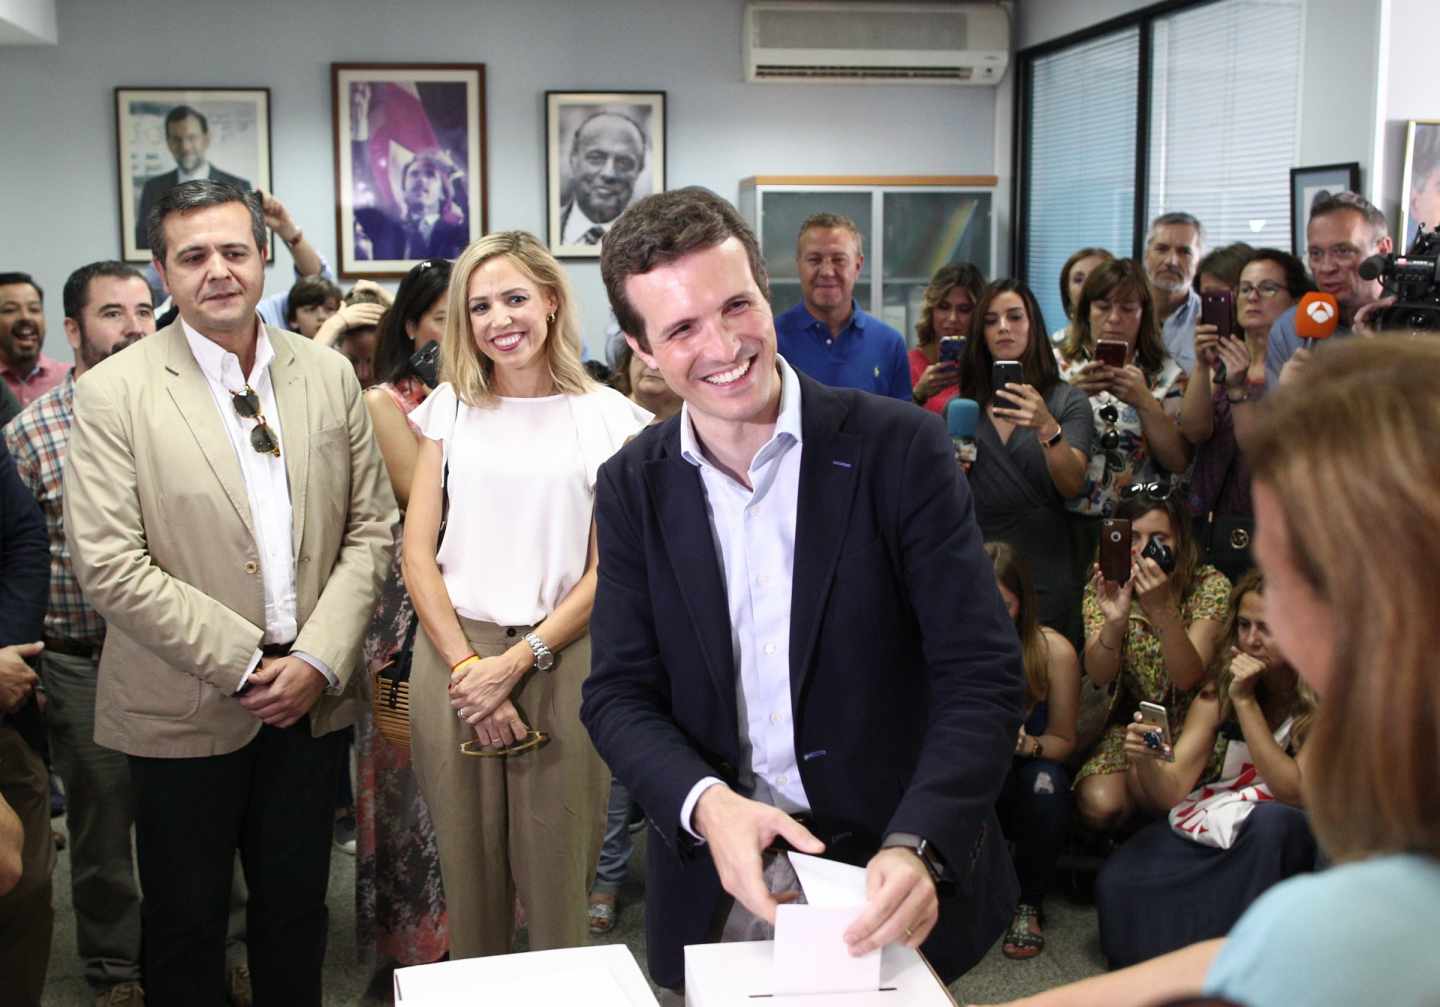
(24, 581)
(905, 674)
(157, 185)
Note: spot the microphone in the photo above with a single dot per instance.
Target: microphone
(1317, 316)
(1373, 267)
(962, 416)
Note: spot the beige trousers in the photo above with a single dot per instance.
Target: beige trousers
(531, 823)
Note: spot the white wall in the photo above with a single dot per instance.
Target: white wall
(1412, 90)
(27, 22)
(59, 196)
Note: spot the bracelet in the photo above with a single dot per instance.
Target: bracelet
(463, 662)
(1055, 438)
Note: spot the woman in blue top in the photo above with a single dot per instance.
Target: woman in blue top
(1347, 500)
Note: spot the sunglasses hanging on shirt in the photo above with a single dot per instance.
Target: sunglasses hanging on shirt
(262, 438)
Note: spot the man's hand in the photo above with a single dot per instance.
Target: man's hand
(277, 218)
(282, 690)
(17, 680)
(900, 903)
(738, 830)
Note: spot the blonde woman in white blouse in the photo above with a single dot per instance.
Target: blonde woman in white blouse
(519, 431)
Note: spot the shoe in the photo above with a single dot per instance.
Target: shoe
(237, 987)
(602, 913)
(122, 995)
(1020, 941)
(345, 833)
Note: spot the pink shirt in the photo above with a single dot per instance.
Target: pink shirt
(45, 375)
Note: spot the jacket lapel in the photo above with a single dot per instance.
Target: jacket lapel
(829, 475)
(679, 501)
(190, 391)
(291, 399)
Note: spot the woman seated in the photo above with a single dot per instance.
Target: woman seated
(949, 306)
(1346, 490)
(1032, 441)
(1150, 639)
(1035, 803)
(1073, 274)
(1231, 795)
(1215, 414)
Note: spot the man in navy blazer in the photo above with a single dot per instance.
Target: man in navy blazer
(796, 633)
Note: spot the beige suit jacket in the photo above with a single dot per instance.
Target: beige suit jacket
(158, 518)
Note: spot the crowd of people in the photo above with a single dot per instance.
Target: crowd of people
(732, 585)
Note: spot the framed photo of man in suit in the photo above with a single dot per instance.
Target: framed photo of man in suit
(170, 135)
(604, 151)
(409, 163)
(1420, 186)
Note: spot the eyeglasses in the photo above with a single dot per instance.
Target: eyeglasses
(1266, 288)
(1158, 491)
(262, 438)
(533, 739)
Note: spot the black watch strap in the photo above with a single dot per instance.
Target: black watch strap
(921, 847)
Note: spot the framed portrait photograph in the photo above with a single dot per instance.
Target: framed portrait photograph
(1420, 189)
(1307, 186)
(603, 151)
(170, 135)
(409, 163)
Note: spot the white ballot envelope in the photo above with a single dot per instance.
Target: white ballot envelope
(605, 976)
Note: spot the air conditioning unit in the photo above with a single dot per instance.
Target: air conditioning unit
(817, 42)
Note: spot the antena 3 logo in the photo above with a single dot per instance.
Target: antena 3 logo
(1320, 312)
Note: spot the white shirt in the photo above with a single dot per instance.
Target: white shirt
(522, 495)
(576, 224)
(202, 172)
(754, 532)
(267, 485)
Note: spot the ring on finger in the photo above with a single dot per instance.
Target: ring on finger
(909, 931)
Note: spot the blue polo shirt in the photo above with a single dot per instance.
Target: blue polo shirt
(867, 354)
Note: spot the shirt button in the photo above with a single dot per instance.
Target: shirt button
(774, 718)
(783, 779)
(769, 648)
(251, 566)
(510, 631)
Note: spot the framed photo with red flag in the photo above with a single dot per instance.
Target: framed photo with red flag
(410, 178)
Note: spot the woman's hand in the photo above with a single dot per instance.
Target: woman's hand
(502, 728)
(1114, 598)
(478, 688)
(1207, 339)
(937, 378)
(1152, 585)
(1028, 407)
(1235, 355)
(1128, 384)
(1092, 378)
(1245, 671)
(1135, 733)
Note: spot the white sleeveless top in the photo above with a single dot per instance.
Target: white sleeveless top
(522, 495)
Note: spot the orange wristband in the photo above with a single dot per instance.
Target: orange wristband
(463, 662)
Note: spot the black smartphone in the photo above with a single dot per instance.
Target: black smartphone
(951, 349)
(1115, 550)
(1218, 309)
(1162, 554)
(425, 363)
(1005, 372)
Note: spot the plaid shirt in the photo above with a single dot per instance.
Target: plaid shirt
(37, 438)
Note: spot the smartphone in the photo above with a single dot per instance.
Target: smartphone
(1153, 716)
(1115, 550)
(1218, 309)
(1111, 352)
(951, 348)
(1005, 372)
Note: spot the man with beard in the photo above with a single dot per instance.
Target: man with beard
(606, 157)
(1172, 251)
(429, 184)
(27, 371)
(187, 134)
(107, 308)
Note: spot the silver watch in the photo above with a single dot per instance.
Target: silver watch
(544, 659)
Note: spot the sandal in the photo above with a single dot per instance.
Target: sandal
(602, 914)
(1020, 941)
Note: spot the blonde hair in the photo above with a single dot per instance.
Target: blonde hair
(471, 372)
(1013, 571)
(1349, 454)
(1299, 700)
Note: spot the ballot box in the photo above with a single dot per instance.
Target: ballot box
(735, 974)
(605, 976)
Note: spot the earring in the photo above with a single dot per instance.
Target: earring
(550, 318)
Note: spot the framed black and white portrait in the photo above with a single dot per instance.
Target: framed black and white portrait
(1310, 185)
(604, 150)
(170, 135)
(409, 163)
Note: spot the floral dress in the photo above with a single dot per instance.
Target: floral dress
(1112, 469)
(1142, 675)
(399, 900)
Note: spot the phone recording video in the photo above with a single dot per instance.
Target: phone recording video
(1157, 736)
(951, 349)
(1007, 372)
(1115, 550)
(1217, 308)
(1111, 352)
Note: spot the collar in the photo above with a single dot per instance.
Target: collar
(577, 223)
(1182, 314)
(221, 366)
(181, 175)
(856, 321)
(42, 367)
(787, 424)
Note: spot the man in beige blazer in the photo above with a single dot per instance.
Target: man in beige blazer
(230, 519)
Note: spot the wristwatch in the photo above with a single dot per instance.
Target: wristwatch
(1054, 438)
(920, 846)
(544, 659)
